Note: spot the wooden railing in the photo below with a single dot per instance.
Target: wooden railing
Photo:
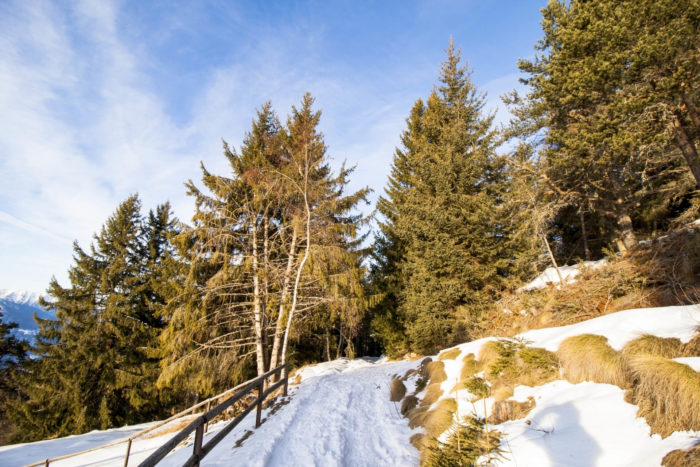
(248, 386)
(198, 425)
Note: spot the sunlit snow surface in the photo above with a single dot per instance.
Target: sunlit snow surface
(340, 414)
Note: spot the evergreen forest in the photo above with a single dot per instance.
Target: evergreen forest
(280, 265)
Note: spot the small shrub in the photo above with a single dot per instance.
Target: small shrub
(397, 390)
(478, 387)
(588, 357)
(409, 373)
(467, 442)
(683, 458)
(451, 354)
(505, 410)
(649, 344)
(667, 394)
(408, 403)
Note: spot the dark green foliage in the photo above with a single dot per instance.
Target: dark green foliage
(443, 248)
(98, 364)
(614, 92)
(13, 354)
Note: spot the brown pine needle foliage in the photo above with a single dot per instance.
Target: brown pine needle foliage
(667, 393)
(588, 357)
(648, 344)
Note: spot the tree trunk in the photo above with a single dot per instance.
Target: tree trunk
(692, 110)
(628, 239)
(687, 148)
(257, 306)
(584, 236)
(554, 261)
(279, 326)
(295, 294)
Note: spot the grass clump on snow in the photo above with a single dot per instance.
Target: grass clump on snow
(505, 410)
(648, 344)
(451, 354)
(508, 363)
(397, 390)
(667, 393)
(467, 442)
(589, 357)
(683, 458)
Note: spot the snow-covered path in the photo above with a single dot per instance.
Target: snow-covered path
(339, 415)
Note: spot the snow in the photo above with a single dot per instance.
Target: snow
(20, 296)
(340, 414)
(568, 273)
(583, 425)
(22, 454)
(623, 326)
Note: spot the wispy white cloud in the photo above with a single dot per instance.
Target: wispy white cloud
(85, 123)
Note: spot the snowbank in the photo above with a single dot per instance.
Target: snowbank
(568, 273)
(623, 326)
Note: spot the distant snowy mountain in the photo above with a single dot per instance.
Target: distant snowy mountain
(19, 306)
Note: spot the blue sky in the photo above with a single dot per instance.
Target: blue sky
(101, 99)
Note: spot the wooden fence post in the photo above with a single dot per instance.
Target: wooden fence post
(198, 435)
(128, 451)
(285, 375)
(258, 413)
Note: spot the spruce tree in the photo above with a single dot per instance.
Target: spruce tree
(96, 368)
(444, 215)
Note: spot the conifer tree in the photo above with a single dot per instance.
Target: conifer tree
(96, 369)
(444, 215)
(613, 91)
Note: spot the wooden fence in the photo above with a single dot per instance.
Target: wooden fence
(199, 424)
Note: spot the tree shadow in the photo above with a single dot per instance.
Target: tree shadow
(566, 442)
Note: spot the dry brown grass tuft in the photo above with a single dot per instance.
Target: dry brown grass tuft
(432, 394)
(489, 352)
(505, 410)
(417, 441)
(440, 418)
(588, 357)
(451, 354)
(667, 393)
(502, 393)
(469, 367)
(683, 458)
(649, 344)
(663, 272)
(436, 372)
(692, 347)
(397, 390)
(408, 403)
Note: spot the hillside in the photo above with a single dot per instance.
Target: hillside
(340, 413)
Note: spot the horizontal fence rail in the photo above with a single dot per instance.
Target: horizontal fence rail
(247, 386)
(198, 425)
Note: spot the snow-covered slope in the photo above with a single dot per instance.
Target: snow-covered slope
(19, 307)
(340, 414)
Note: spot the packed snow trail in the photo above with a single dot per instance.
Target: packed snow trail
(339, 415)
